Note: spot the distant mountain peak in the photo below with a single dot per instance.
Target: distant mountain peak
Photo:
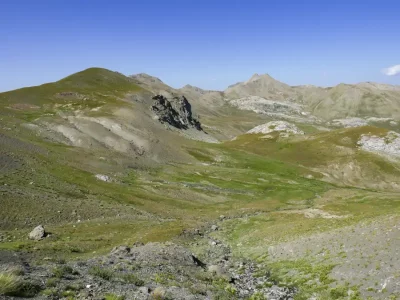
(257, 76)
(188, 86)
(191, 87)
(147, 77)
(254, 77)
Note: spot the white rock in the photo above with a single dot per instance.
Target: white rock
(379, 120)
(389, 144)
(349, 122)
(103, 177)
(262, 105)
(283, 126)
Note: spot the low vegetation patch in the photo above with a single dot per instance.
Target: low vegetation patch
(60, 272)
(102, 273)
(113, 297)
(132, 278)
(12, 285)
(9, 284)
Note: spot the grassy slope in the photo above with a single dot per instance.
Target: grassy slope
(255, 235)
(323, 150)
(91, 88)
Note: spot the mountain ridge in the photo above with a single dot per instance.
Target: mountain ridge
(365, 99)
(254, 77)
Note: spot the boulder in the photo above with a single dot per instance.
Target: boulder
(37, 233)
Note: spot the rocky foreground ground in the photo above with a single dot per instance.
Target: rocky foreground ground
(146, 271)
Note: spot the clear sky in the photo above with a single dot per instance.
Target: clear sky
(207, 43)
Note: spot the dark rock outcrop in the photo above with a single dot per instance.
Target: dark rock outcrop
(176, 112)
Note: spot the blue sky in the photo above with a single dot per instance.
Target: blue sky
(210, 44)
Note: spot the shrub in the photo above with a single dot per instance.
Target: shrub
(158, 294)
(257, 296)
(163, 278)
(67, 294)
(200, 289)
(52, 282)
(338, 292)
(75, 287)
(50, 292)
(60, 272)
(114, 297)
(132, 278)
(105, 274)
(16, 270)
(9, 283)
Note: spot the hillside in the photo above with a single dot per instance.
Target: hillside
(151, 192)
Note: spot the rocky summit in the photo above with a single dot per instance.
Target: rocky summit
(111, 188)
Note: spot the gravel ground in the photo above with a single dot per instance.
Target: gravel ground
(365, 255)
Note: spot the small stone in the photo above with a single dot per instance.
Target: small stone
(144, 290)
(221, 217)
(120, 251)
(214, 228)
